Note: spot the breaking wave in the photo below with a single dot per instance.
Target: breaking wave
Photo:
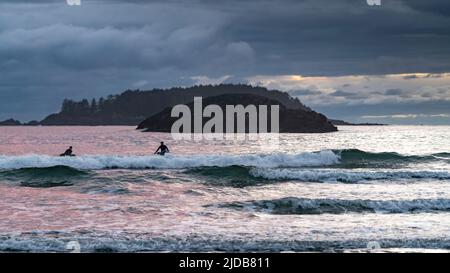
(98, 162)
(354, 158)
(292, 205)
(345, 176)
(56, 176)
(341, 158)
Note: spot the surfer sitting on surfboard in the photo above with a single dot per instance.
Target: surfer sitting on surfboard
(68, 152)
(162, 149)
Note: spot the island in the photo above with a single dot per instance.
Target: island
(342, 122)
(148, 109)
(291, 120)
(10, 122)
(133, 106)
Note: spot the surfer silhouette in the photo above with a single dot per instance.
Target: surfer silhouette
(68, 152)
(162, 149)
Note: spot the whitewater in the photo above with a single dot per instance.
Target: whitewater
(333, 192)
(98, 162)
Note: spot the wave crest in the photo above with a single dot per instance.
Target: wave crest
(293, 205)
(346, 176)
(55, 176)
(98, 162)
(344, 158)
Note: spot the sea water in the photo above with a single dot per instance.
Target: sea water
(363, 186)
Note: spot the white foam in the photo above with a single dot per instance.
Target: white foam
(96, 162)
(299, 205)
(340, 175)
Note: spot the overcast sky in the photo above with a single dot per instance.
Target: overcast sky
(349, 60)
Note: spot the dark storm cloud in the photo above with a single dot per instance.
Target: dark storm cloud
(340, 93)
(394, 92)
(427, 76)
(400, 93)
(49, 50)
(438, 7)
(349, 95)
(410, 77)
(304, 92)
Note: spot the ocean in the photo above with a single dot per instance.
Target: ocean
(363, 188)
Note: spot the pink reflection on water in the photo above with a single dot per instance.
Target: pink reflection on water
(154, 208)
(85, 140)
(108, 140)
